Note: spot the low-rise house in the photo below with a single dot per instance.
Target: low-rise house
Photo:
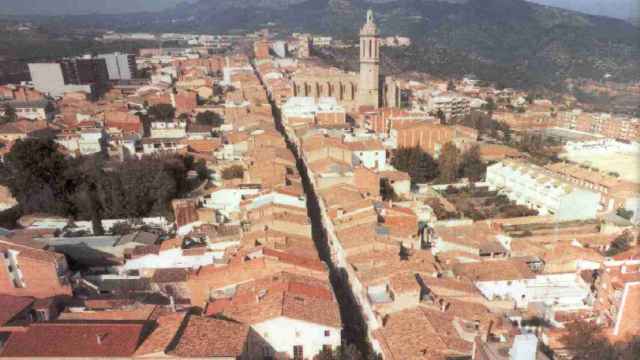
(543, 190)
(477, 239)
(29, 271)
(152, 146)
(421, 333)
(296, 316)
(168, 130)
(32, 110)
(207, 338)
(78, 339)
(513, 280)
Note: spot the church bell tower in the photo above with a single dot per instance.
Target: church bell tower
(369, 82)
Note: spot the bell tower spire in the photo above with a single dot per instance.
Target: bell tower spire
(369, 82)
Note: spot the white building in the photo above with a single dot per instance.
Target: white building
(287, 335)
(168, 130)
(161, 146)
(120, 66)
(370, 154)
(451, 106)
(32, 110)
(542, 190)
(558, 291)
(173, 258)
(228, 200)
(279, 47)
(87, 142)
(304, 107)
(48, 78)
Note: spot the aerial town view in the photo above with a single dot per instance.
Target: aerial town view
(320, 179)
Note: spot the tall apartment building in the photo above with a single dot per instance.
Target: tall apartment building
(543, 190)
(608, 125)
(84, 74)
(120, 66)
(451, 106)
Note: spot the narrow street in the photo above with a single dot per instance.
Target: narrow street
(354, 326)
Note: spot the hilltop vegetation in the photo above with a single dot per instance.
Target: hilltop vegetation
(513, 41)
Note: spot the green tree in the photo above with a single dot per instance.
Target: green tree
(9, 114)
(209, 118)
(233, 172)
(36, 176)
(420, 166)
(161, 112)
(443, 118)
(620, 244)
(386, 190)
(448, 163)
(490, 106)
(471, 165)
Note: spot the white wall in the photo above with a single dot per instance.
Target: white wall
(371, 159)
(171, 258)
(283, 333)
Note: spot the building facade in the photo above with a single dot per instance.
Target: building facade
(369, 82)
(120, 66)
(543, 190)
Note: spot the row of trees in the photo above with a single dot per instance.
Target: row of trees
(450, 166)
(486, 125)
(91, 188)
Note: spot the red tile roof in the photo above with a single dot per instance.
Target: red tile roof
(206, 337)
(10, 306)
(75, 340)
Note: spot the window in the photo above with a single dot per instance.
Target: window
(327, 333)
(297, 353)
(41, 315)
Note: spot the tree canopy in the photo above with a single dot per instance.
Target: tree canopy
(209, 118)
(89, 188)
(161, 112)
(420, 165)
(471, 165)
(448, 163)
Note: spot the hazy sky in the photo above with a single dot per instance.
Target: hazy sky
(624, 9)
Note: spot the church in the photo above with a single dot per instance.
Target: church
(367, 90)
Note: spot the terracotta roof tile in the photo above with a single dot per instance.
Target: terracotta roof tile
(75, 340)
(207, 337)
(10, 306)
(159, 340)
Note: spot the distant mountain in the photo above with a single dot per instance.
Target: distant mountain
(75, 7)
(514, 41)
(621, 9)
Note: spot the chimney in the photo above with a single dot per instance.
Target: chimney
(172, 303)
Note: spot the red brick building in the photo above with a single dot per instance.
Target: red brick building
(429, 137)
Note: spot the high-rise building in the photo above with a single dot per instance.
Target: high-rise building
(369, 83)
(85, 74)
(120, 66)
(85, 70)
